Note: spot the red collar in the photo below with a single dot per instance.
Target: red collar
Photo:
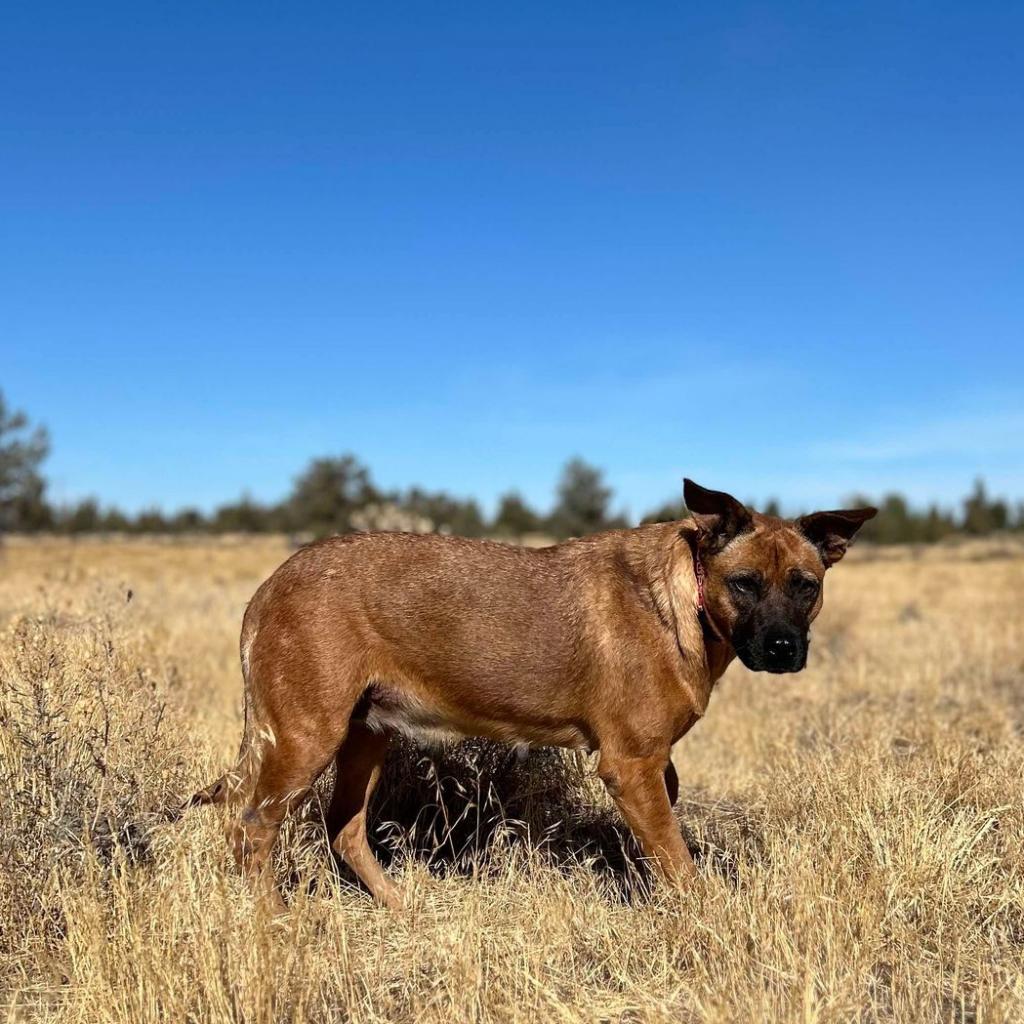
(698, 572)
(702, 612)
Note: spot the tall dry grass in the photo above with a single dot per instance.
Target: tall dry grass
(859, 827)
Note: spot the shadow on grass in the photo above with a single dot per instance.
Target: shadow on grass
(452, 808)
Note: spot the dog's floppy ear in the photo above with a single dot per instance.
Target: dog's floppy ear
(719, 516)
(831, 532)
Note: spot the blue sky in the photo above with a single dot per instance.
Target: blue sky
(776, 247)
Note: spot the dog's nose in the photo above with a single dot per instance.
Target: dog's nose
(780, 651)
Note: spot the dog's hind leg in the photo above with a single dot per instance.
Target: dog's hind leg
(300, 695)
(288, 769)
(359, 763)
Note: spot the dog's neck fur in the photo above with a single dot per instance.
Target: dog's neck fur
(668, 565)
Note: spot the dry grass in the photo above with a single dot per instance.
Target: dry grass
(859, 827)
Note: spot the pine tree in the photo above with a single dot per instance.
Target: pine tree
(23, 449)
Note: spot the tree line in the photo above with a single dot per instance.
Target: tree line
(338, 495)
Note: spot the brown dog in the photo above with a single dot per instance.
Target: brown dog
(610, 643)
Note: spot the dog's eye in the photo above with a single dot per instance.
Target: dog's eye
(744, 586)
(805, 587)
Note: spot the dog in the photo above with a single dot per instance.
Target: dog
(609, 643)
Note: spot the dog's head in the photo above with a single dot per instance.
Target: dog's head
(763, 575)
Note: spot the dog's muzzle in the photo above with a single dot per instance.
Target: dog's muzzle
(776, 651)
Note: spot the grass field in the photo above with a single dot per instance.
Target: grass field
(859, 828)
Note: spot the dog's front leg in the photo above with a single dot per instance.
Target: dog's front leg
(638, 787)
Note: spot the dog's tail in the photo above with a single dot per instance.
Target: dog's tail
(221, 791)
(237, 783)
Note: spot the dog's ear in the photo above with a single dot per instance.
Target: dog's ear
(831, 532)
(719, 516)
